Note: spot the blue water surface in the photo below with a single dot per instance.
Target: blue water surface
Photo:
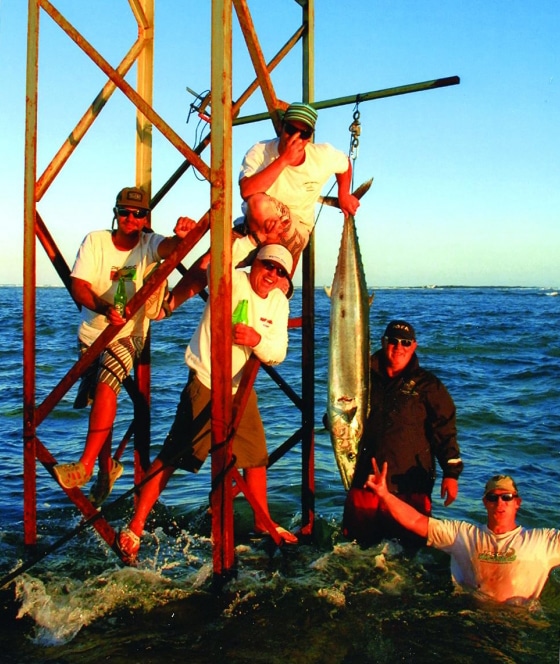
(498, 352)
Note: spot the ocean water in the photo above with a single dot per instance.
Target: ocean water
(498, 352)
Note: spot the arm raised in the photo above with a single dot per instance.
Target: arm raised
(402, 512)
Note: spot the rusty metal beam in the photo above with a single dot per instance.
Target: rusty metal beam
(363, 96)
(53, 252)
(259, 65)
(308, 308)
(29, 268)
(220, 289)
(145, 85)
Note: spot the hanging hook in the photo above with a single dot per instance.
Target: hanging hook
(355, 130)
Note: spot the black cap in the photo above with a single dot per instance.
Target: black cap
(400, 329)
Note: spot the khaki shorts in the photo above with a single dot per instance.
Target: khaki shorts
(188, 442)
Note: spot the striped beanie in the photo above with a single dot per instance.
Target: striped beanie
(301, 112)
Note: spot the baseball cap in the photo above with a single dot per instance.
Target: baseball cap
(502, 482)
(133, 197)
(400, 329)
(300, 112)
(278, 254)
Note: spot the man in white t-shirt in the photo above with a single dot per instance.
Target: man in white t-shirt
(501, 560)
(187, 445)
(281, 181)
(105, 259)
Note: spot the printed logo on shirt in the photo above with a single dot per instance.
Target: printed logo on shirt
(128, 273)
(408, 389)
(500, 557)
(266, 322)
(310, 186)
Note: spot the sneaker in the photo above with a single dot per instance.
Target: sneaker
(71, 475)
(127, 544)
(104, 483)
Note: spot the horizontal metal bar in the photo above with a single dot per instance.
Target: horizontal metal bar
(363, 96)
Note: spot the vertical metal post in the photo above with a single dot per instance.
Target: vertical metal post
(29, 267)
(308, 306)
(145, 86)
(220, 287)
(144, 180)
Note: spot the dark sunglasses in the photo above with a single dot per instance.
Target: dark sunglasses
(291, 130)
(269, 266)
(395, 341)
(137, 214)
(506, 497)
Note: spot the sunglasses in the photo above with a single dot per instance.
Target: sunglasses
(291, 130)
(269, 266)
(137, 214)
(506, 497)
(395, 341)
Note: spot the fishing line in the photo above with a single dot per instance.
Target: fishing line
(355, 130)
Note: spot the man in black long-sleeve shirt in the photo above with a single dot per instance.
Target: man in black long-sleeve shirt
(411, 424)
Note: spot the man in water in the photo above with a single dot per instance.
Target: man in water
(281, 181)
(188, 442)
(501, 560)
(411, 423)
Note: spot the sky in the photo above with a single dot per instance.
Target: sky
(466, 178)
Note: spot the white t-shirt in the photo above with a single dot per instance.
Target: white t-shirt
(268, 316)
(511, 566)
(100, 263)
(298, 187)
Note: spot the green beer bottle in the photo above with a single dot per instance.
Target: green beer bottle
(120, 297)
(240, 314)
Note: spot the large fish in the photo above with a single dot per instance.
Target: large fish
(349, 351)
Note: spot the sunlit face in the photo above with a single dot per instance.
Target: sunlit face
(131, 220)
(501, 513)
(268, 218)
(397, 353)
(265, 276)
(295, 128)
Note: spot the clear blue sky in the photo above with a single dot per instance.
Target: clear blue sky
(467, 178)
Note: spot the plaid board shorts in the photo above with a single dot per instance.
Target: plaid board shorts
(188, 442)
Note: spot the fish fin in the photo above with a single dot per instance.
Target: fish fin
(329, 200)
(358, 193)
(371, 299)
(328, 290)
(362, 189)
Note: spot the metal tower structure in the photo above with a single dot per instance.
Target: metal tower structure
(225, 116)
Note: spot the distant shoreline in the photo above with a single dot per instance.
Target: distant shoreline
(430, 287)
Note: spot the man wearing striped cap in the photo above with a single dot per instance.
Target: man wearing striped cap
(281, 180)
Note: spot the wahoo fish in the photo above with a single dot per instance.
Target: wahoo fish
(349, 352)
